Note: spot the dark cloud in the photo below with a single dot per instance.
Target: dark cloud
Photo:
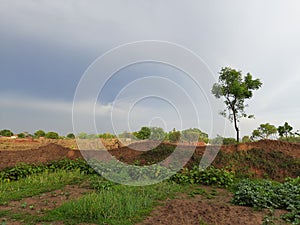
(47, 45)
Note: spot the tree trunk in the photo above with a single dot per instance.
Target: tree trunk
(236, 127)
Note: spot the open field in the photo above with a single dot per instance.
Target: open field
(67, 192)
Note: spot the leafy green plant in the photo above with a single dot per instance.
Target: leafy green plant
(210, 176)
(23, 170)
(270, 194)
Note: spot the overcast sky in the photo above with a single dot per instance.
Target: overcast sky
(46, 46)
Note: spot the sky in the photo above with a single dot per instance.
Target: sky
(46, 47)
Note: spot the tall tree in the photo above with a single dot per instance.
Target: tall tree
(235, 89)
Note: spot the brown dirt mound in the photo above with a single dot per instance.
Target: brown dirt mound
(51, 152)
(290, 149)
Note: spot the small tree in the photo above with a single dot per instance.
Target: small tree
(264, 131)
(246, 139)
(144, 133)
(217, 140)
(194, 134)
(174, 136)
(52, 135)
(229, 141)
(71, 136)
(21, 135)
(39, 133)
(235, 89)
(6, 133)
(157, 133)
(285, 130)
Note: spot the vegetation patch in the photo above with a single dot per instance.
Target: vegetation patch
(36, 184)
(117, 204)
(269, 194)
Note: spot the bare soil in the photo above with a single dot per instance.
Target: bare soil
(199, 209)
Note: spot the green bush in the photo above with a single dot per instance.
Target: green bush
(270, 194)
(52, 135)
(6, 133)
(25, 170)
(21, 135)
(39, 133)
(174, 136)
(71, 136)
(210, 176)
(229, 141)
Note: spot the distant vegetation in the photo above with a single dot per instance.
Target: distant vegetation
(264, 131)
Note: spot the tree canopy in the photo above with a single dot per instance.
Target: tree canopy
(40, 133)
(285, 130)
(264, 131)
(52, 135)
(6, 133)
(143, 133)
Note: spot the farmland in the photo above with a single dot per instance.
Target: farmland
(246, 185)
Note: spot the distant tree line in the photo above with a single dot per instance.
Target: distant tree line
(264, 131)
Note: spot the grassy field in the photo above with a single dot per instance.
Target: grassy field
(104, 202)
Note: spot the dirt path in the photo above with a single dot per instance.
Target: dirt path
(211, 207)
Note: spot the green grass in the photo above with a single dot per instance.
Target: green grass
(36, 184)
(117, 205)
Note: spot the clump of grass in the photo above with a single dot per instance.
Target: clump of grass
(117, 205)
(36, 184)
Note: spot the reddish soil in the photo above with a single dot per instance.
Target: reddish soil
(130, 154)
(51, 152)
(199, 209)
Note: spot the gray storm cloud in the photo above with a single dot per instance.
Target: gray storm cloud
(260, 37)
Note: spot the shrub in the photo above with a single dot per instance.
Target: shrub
(6, 133)
(52, 135)
(270, 194)
(21, 135)
(71, 136)
(229, 141)
(39, 133)
(210, 176)
(174, 136)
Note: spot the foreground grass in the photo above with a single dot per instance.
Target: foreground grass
(36, 184)
(117, 204)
